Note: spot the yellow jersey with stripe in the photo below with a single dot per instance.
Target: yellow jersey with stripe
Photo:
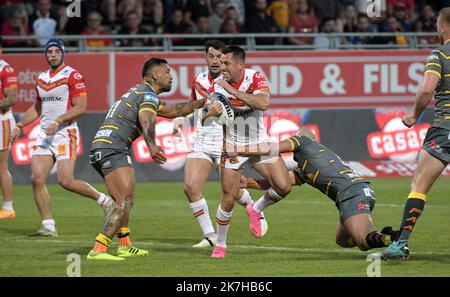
(121, 125)
(322, 168)
(438, 63)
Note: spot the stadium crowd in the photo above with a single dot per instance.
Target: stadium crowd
(131, 17)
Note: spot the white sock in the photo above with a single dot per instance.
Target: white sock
(270, 197)
(201, 212)
(49, 224)
(103, 199)
(223, 220)
(8, 205)
(245, 199)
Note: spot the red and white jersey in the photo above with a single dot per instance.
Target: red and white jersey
(56, 91)
(248, 126)
(8, 79)
(208, 139)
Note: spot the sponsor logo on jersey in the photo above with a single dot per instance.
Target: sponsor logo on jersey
(77, 76)
(52, 99)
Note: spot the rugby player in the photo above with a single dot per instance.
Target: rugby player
(322, 169)
(249, 94)
(206, 151)
(435, 153)
(8, 97)
(134, 114)
(61, 100)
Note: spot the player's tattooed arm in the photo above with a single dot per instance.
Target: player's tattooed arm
(10, 98)
(147, 119)
(172, 111)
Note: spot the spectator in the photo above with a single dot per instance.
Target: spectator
(326, 9)
(93, 27)
(216, 19)
(279, 11)
(239, 6)
(230, 26)
(44, 22)
(303, 21)
(177, 25)
(392, 26)
(133, 27)
(16, 25)
(231, 13)
(260, 22)
(201, 27)
(363, 26)
(400, 15)
(426, 22)
(323, 41)
(348, 21)
(407, 4)
(113, 8)
(154, 10)
(196, 9)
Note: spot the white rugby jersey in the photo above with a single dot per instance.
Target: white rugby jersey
(56, 91)
(208, 139)
(8, 79)
(248, 126)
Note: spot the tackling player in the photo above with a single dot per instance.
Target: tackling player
(61, 100)
(131, 116)
(206, 151)
(8, 97)
(248, 91)
(322, 169)
(435, 154)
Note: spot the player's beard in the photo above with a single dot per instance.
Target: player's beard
(55, 66)
(167, 89)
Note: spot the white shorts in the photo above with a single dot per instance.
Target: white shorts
(62, 145)
(6, 127)
(241, 162)
(213, 158)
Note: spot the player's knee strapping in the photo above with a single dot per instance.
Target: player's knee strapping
(413, 209)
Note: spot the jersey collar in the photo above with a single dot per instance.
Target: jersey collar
(151, 88)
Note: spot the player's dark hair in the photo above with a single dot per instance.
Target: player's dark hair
(149, 64)
(215, 44)
(445, 15)
(237, 51)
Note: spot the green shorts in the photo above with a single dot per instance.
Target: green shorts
(437, 143)
(356, 199)
(105, 161)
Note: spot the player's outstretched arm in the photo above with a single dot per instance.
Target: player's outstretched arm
(147, 119)
(261, 149)
(423, 98)
(172, 111)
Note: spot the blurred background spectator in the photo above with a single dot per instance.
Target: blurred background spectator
(49, 18)
(94, 27)
(303, 21)
(260, 22)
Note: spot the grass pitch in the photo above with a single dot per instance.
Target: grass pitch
(300, 240)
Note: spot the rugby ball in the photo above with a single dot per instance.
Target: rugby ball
(227, 116)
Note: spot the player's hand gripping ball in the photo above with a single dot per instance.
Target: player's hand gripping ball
(227, 115)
